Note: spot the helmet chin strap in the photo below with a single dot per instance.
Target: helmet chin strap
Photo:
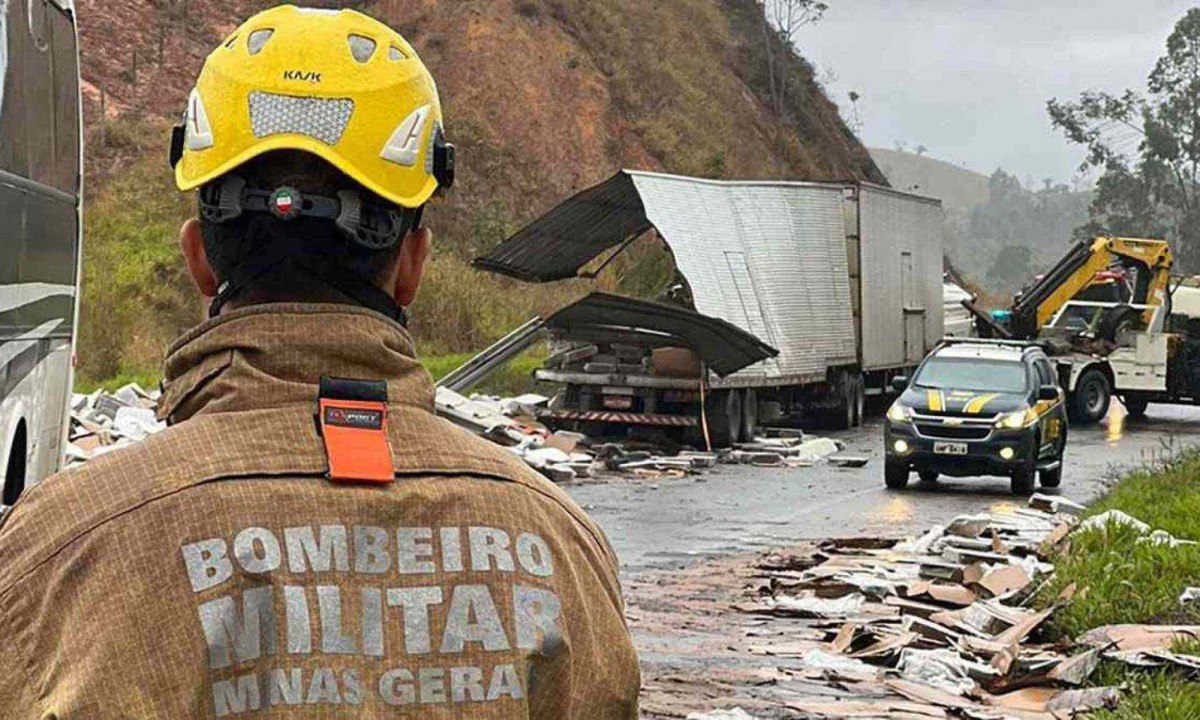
(275, 248)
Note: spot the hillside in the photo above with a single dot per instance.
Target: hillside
(998, 233)
(958, 188)
(543, 98)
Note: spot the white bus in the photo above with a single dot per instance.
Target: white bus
(40, 235)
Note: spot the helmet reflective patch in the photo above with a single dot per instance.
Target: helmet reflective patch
(404, 144)
(199, 132)
(320, 118)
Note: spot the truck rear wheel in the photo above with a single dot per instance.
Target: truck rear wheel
(845, 412)
(749, 415)
(1090, 401)
(724, 413)
(860, 399)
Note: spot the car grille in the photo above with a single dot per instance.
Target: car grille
(954, 432)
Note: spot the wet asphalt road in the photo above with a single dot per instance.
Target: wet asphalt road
(661, 524)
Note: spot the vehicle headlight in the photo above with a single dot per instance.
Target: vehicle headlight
(1017, 420)
(898, 413)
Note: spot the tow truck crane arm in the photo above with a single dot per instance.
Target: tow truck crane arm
(1150, 259)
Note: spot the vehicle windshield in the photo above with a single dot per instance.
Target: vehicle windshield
(1078, 318)
(940, 373)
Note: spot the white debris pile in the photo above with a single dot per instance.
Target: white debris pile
(940, 624)
(102, 421)
(564, 456)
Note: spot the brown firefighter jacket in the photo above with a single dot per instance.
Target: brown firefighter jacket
(214, 571)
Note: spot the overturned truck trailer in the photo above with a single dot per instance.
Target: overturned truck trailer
(843, 280)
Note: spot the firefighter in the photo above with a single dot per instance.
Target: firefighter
(307, 539)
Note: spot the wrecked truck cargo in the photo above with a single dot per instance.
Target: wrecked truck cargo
(844, 279)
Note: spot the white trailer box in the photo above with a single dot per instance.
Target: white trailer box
(843, 279)
(768, 257)
(901, 241)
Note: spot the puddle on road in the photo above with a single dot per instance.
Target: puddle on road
(1115, 424)
(1004, 507)
(897, 512)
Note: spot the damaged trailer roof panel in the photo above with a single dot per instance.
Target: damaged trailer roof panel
(722, 346)
(768, 257)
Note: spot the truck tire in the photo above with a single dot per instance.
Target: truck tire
(1135, 405)
(842, 415)
(1090, 401)
(749, 415)
(724, 414)
(1023, 481)
(895, 475)
(860, 399)
(1116, 321)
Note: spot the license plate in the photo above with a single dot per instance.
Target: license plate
(948, 448)
(618, 402)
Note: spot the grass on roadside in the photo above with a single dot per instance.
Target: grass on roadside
(1150, 695)
(1122, 580)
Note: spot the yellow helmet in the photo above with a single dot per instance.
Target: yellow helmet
(337, 84)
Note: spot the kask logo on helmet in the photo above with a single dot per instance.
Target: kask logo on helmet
(302, 76)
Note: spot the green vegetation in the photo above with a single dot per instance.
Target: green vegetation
(1121, 580)
(513, 379)
(999, 231)
(698, 100)
(1150, 190)
(1149, 695)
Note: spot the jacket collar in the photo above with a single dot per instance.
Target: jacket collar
(273, 356)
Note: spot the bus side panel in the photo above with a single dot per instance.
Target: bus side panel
(39, 228)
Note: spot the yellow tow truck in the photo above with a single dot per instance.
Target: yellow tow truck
(1114, 323)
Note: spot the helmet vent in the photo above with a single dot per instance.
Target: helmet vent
(395, 54)
(229, 43)
(361, 47)
(258, 40)
(320, 118)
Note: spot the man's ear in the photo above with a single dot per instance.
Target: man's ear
(191, 241)
(414, 251)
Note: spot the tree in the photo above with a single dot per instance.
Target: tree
(1147, 148)
(856, 124)
(782, 22)
(1012, 266)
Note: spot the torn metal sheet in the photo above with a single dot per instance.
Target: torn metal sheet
(724, 347)
(741, 246)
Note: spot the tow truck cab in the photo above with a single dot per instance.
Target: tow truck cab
(978, 407)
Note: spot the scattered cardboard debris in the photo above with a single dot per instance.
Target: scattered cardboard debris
(944, 613)
(102, 422)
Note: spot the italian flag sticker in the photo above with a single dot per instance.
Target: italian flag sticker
(284, 203)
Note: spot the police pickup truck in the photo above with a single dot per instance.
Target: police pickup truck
(978, 407)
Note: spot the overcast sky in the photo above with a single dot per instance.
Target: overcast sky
(969, 79)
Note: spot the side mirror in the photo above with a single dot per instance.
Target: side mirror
(1048, 392)
(899, 384)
